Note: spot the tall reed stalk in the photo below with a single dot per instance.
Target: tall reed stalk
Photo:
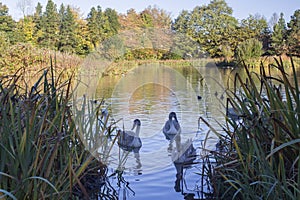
(259, 156)
(41, 153)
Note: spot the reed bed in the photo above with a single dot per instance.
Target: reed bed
(258, 154)
(42, 154)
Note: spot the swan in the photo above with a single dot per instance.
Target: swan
(129, 140)
(183, 157)
(172, 126)
(184, 153)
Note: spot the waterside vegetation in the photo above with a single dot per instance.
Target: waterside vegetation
(63, 28)
(42, 154)
(258, 152)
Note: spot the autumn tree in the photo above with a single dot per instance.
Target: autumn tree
(84, 46)
(25, 29)
(131, 20)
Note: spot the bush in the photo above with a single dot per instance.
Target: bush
(248, 51)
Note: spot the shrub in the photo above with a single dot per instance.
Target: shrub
(248, 51)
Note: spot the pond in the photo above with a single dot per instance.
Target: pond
(149, 93)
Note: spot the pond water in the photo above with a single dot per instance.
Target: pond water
(149, 93)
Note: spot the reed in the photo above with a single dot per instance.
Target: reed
(259, 156)
(42, 154)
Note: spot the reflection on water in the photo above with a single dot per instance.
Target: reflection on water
(164, 168)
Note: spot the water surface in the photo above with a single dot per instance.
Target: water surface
(149, 93)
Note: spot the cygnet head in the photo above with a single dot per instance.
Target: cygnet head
(172, 115)
(136, 122)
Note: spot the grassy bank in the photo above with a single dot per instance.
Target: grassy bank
(122, 67)
(258, 154)
(32, 60)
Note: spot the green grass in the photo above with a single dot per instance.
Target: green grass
(260, 157)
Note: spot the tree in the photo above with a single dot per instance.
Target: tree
(278, 38)
(113, 48)
(25, 6)
(273, 20)
(146, 19)
(182, 23)
(255, 26)
(112, 17)
(214, 27)
(98, 26)
(155, 17)
(49, 26)
(37, 20)
(84, 46)
(293, 38)
(185, 45)
(7, 24)
(25, 29)
(132, 20)
(249, 50)
(67, 30)
(4, 41)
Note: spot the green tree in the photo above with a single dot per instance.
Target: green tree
(293, 38)
(182, 23)
(4, 41)
(255, 26)
(98, 26)
(185, 45)
(214, 27)
(49, 26)
(7, 24)
(61, 12)
(25, 29)
(249, 50)
(278, 38)
(112, 17)
(146, 19)
(67, 30)
(37, 20)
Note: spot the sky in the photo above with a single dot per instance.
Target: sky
(241, 8)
